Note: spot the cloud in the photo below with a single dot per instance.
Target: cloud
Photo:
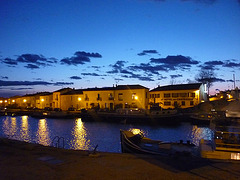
(90, 74)
(32, 83)
(137, 76)
(93, 55)
(79, 58)
(9, 61)
(33, 61)
(232, 64)
(4, 77)
(32, 66)
(117, 67)
(176, 76)
(145, 52)
(175, 62)
(201, 1)
(214, 63)
(75, 77)
(62, 83)
(147, 67)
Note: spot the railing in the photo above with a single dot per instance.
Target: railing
(56, 142)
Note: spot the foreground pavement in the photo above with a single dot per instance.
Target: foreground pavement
(20, 160)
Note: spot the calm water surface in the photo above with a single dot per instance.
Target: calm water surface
(86, 135)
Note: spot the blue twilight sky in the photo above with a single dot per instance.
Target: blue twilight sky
(46, 45)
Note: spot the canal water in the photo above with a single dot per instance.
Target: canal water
(80, 135)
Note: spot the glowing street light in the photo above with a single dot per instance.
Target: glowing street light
(5, 101)
(24, 100)
(1, 101)
(79, 99)
(42, 100)
(13, 101)
(136, 97)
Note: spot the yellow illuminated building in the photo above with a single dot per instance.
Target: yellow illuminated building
(178, 96)
(72, 99)
(56, 102)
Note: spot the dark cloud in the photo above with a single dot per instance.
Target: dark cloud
(117, 67)
(33, 61)
(62, 83)
(32, 66)
(232, 64)
(90, 74)
(4, 77)
(145, 52)
(9, 61)
(214, 63)
(31, 83)
(201, 1)
(79, 58)
(20, 89)
(75, 77)
(175, 62)
(147, 67)
(93, 55)
(176, 76)
(218, 80)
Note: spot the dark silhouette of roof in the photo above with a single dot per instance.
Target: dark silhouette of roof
(118, 87)
(123, 87)
(74, 91)
(193, 86)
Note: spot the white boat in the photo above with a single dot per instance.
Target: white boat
(226, 145)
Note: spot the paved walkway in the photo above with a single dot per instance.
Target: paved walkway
(19, 160)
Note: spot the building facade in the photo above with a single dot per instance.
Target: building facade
(178, 96)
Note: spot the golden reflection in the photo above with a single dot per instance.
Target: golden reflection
(43, 133)
(10, 126)
(79, 140)
(24, 131)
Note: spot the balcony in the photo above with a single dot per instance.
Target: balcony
(86, 99)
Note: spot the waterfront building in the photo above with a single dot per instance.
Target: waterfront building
(72, 99)
(131, 96)
(178, 96)
(228, 95)
(108, 98)
(44, 100)
(99, 98)
(56, 102)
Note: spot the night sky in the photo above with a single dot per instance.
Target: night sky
(47, 45)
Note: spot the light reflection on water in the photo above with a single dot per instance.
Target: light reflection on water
(24, 131)
(43, 133)
(86, 135)
(79, 136)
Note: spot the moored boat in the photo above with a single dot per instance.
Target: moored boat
(225, 145)
(138, 144)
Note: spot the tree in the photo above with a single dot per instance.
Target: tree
(206, 76)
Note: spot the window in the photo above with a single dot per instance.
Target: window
(183, 94)
(167, 103)
(120, 96)
(192, 94)
(183, 103)
(174, 94)
(191, 103)
(166, 95)
(110, 96)
(158, 96)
